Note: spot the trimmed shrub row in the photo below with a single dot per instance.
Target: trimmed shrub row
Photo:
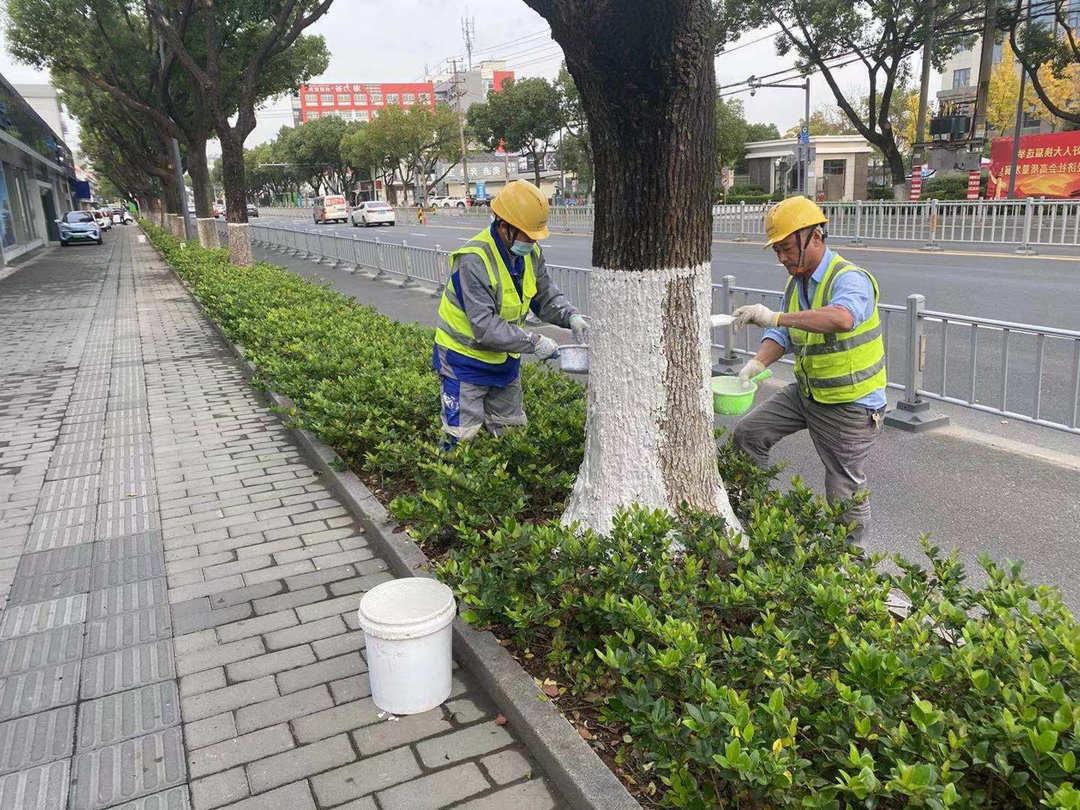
(769, 674)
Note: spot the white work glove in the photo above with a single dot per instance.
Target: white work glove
(580, 329)
(752, 368)
(757, 314)
(544, 347)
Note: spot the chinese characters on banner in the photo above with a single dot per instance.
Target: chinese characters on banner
(1047, 166)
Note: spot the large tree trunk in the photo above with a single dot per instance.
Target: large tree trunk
(199, 170)
(232, 177)
(645, 72)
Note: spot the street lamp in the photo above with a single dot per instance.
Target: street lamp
(803, 145)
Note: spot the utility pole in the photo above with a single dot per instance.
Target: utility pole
(181, 189)
(924, 84)
(1019, 125)
(986, 63)
(458, 93)
(802, 150)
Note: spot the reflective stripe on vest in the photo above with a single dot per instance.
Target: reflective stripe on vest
(454, 330)
(842, 367)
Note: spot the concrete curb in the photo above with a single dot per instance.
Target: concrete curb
(576, 771)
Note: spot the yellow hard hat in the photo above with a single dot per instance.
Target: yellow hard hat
(790, 215)
(524, 206)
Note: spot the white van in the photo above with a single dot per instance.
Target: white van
(331, 208)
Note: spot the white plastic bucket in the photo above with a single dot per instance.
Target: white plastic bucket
(406, 624)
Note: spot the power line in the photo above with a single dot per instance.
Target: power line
(747, 44)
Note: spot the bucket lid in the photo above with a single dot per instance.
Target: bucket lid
(410, 607)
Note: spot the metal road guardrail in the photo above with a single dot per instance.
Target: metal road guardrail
(1019, 371)
(1024, 224)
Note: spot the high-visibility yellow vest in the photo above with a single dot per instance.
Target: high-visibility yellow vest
(454, 330)
(845, 366)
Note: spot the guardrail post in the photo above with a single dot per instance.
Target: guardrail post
(334, 261)
(380, 267)
(742, 222)
(933, 225)
(408, 280)
(727, 362)
(1026, 249)
(440, 282)
(912, 413)
(857, 238)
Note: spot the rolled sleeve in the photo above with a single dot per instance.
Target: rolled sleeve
(854, 292)
(778, 334)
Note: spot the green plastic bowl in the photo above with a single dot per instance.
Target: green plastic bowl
(731, 398)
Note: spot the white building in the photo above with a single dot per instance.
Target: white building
(838, 166)
(43, 100)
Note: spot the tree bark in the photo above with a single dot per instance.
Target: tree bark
(645, 73)
(232, 177)
(199, 170)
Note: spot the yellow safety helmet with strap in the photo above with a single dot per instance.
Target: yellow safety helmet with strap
(524, 206)
(789, 216)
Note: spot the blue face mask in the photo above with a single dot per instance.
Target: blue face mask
(521, 248)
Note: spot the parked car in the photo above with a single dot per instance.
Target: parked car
(103, 220)
(331, 208)
(451, 202)
(117, 216)
(484, 202)
(252, 210)
(78, 226)
(372, 212)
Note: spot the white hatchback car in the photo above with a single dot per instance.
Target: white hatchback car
(372, 212)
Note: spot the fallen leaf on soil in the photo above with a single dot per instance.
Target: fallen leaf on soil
(586, 734)
(550, 688)
(500, 720)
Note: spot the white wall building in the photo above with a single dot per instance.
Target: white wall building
(839, 166)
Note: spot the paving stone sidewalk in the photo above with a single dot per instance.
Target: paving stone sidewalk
(179, 589)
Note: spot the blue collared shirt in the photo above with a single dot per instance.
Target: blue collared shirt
(853, 292)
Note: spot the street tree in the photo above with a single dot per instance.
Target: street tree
(1048, 47)
(414, 142)
(647, 83)
(123, 68)
(121, 144)
(825, 121)
(314, 150)
(1005, 88)
(575, 148)
(879, 35)
(762, 132)
(522, 117)
(731, 132)
(234, 50)
(365, 157)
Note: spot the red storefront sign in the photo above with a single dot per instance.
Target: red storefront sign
(1047, 166)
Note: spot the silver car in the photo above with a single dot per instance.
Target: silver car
(78, 226)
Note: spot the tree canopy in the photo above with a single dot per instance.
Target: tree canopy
(522, 117)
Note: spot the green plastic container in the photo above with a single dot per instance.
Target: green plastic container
(731, 398)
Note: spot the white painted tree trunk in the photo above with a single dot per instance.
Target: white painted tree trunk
(240, 244)
(208, 237)
(639, 374)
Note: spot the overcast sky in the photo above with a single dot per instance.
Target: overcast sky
(399, 40)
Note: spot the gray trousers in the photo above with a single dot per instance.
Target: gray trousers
(466, 408)
(842, 435)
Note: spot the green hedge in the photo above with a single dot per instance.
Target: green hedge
(770, 675)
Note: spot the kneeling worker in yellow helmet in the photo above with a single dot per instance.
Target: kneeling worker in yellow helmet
(829, 320)
(496, 278)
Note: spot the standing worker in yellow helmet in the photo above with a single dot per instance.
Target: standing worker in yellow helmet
(496, 278)
(829, 321)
